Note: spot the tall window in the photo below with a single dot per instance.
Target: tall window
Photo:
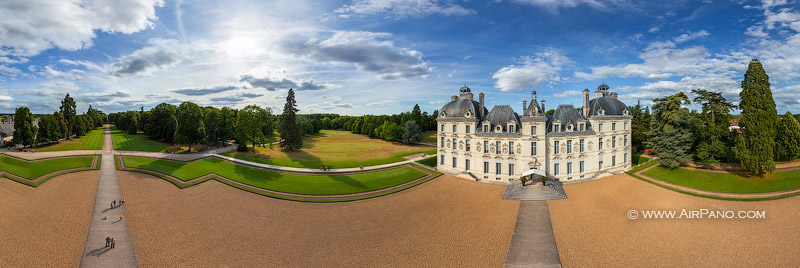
(600, 127)
(485, 128)
(625, 160)
(581, 166)
(510, 147)
(555, 168)
(580, 126)
(454, 162)
(533, 148)
(442, 142)
(614, 142)
(569, 167)
(555, 143)
(467, 144)
(441, 160)
(613, 126)
(466, 164)
(511, 128)
(485, 166)
(569, 146)
(468, 128)
(600, 164)
(613, 160)
(485, 147)
(497, 148)
(600, 144)
(626, 140)
(581, 145)
(533, 130)
(510, 169)
(454, 128)
(497, 168)
(455, 144)
(442, 129)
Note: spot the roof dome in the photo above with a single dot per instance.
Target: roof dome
(462, 107)
(464, 90)
(607, 105)
(603, 87)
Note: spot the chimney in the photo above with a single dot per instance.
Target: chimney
(598, 94)
(480, 97)
(585, 109)
(614, 95)
(524, 105)
(469, 96)
(543, 109)
(453, 98)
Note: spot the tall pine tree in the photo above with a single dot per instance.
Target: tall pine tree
(755, 148)
(68, 110)
(787, 140)
(671, 134)
(291, 133)
(24, 130)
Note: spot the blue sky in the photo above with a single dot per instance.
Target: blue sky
(383, 56)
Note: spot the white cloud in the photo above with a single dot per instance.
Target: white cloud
(71, 74)
(568, 93)
(555, 5)
(531, 71)
(6, 98)
(402, 8)
(158, 55)
(32, 26)
(690, 36)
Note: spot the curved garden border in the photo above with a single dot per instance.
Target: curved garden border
(429, 175)
(716, 195)
(41, 179)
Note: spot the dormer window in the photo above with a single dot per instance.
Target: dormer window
(511, 128)
(498, 129)
(569, 127)
(486, 128)
(626, 112)
(556, 127)
(468, 114)
(580, 127)
(601, 112)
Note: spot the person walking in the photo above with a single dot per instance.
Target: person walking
(108, 241)
(112, 204)
(113, 242)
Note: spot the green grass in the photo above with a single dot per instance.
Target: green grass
(336, 149)
(288, 183)
(430, 161)
(429, 137)
(91, 141)
(727, 183)
(33, 170)
(639, 159)
(140, 142)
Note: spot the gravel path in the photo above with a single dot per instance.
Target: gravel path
(46, 226)
(447, 222)
(592, 229)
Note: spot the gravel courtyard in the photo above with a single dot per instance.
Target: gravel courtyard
(592, 229)
(46, 226)
(447, 222)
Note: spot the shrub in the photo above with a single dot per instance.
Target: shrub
(242, 147)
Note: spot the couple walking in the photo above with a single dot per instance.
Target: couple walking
(110, 242)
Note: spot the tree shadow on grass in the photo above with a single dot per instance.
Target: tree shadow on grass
(349, 181)
(306, 159)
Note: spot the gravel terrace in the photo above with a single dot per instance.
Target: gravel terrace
(46, 226)
(592, 229)
(447, 222)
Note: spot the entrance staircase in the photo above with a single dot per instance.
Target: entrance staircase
(535, 191)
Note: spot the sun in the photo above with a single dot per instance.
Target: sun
(242, 45)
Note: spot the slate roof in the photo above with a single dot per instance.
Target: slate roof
(609, 105)
(460, 106)
(567, 114)
(502, 114)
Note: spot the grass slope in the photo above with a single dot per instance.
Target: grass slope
(91, 141)
(288, 183)
(429, 137)
(430, 161)
(140, 142)
(337, 149)
(33, 170)
(637, 159)
(727, 183)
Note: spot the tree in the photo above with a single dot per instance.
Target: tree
(191, 129)
(291, 133)
(326, 123)
(671, 134)
(48, 129)
(61, 123)
(416, 114)
(411, 132)
(81, 126)
(640, 125)
(249, 125)
(130, 122)
(212, 125)
(68, 110)
(758, 121)
(550, 112)
(227, 125)
(714, 123)
(24, 130)
(787, 140)
(392, 132)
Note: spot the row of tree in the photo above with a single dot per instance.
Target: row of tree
(63, 124)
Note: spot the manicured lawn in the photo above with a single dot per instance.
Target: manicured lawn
(429, 137)
(337, 149)
(727, 183)
(638, 159)
(91, 141)
(33, 170)
(430, 161)
(139, 142)
(288, 183)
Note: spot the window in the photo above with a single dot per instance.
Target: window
(510, 147)
(497, 168)
(533, 130)
(580, 127)
(468, 128)
(600, 144)
(485, 128)
(556, 127)
(442, 129)
(569, 167)
(581, 168)
(555, 168)
(510, 169)
(455, 144)
(442, 142)
(581, 145)
(485, 166)
(467, 144)
(441, 160)
(556, 146)
(613, 160)
(511, 128)
(626, 140)
(600, 127)
(454, 128)
(485, 147)
(466, 164)
(454, 162)
(600, 164)
(569, 146)
(625, 160)
(497, 148)
(533, 148)
(613, 126)
(614, 142)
